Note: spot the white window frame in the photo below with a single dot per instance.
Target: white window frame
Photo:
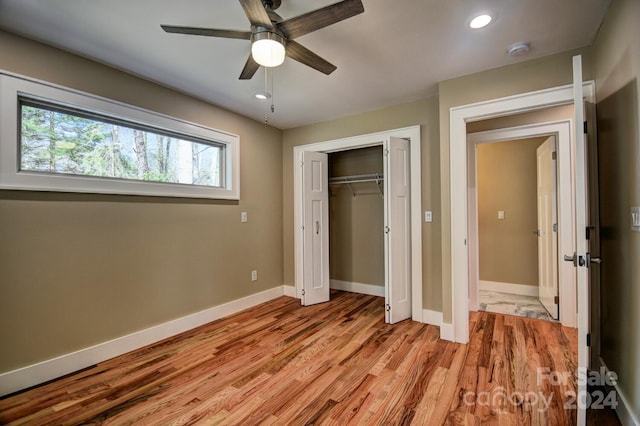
(13, 87)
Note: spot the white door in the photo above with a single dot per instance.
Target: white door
(581, 257)
(315, 213)
(397, 230)
(547, 226)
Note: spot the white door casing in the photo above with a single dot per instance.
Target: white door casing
(547, 220)
(397, 230)
(315, 182)
(459, 116)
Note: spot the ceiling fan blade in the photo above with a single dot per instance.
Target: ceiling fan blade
(312, 21)
(209, 32)
(256, 13)
(249, 69)
(303, 55)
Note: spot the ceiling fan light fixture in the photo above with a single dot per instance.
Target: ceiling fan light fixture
(267, 49)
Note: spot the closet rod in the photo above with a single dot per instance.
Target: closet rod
(371, 177)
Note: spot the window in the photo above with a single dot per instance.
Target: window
(55, 139)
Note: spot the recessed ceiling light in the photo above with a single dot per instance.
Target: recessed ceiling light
(263, 96)
(480, 21)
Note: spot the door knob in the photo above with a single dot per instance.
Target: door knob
(593, 259)
(573, 259)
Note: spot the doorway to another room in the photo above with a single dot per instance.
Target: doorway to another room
(517, 228)
(520, 215)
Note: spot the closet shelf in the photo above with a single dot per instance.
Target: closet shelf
(378, 178)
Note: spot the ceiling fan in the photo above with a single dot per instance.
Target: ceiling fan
(272, 38)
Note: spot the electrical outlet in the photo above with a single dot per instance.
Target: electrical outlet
(254, 275)
(501, 215)
(635, 219)
(244, 217)
(428, 216)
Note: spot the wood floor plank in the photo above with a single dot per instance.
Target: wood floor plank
(336, 363)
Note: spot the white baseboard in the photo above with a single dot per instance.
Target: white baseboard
(447, 332)
(521, 289)
(373, 290)
(435, 318)
(289, 291)
(22, 378)
(432, 317)
(623, 410)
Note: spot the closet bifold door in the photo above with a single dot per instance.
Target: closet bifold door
(397, 230)
(315, 245)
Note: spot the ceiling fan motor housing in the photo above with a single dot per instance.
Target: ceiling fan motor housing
(264, 33)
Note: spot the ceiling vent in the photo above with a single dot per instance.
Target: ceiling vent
(518, 49)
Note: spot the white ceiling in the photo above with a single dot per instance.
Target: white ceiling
(396, 51)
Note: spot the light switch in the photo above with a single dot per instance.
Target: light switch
(501, 214)
(243, 217)
(635, 219)
(428, 216)
(254, 275)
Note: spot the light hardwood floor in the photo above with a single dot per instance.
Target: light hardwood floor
(334, 363)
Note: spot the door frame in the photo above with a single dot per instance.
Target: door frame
(459, 116)
(561, 130)
(363, 141)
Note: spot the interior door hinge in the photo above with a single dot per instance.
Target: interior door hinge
(587, 233)
(586, 127)
(554, 155)
(555, 227)
(556, 300)
(387, 308)
(302, 292)
(588, 339)
(387, 229)
(386, 152)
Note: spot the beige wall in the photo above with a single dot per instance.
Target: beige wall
(507, 182)
(537, 74)
(617, 68)
(544, 115)
(423, 113)
(356, 243)
(81, 269)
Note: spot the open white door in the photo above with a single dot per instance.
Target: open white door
(315, 213)
(581, 258)
(397, 230)
(547, 226)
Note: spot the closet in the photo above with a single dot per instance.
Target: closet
(356, 220)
